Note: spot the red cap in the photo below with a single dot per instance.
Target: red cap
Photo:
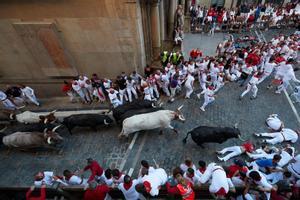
(147, 186)
(221, 192)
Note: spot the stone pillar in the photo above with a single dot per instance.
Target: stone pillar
(162, 20)
(171, 18)
(155, 28)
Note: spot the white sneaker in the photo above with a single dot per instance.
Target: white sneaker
(201, 108)
(199, 95)
(220, 159)
(256, 134)
(277, 92)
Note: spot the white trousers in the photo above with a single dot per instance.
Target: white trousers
(123, 95)
(252, 88)
(276, 137)
(207, 101)
(86, 93)
(129, 90)
(188, 91)
(153, 89)
(219, 86)
(116, 103)
(81, 94)
(32, 99)
(166, 90)
(264, 76)
(147, 97)
(234, 151)
(71, 95)
(9, 105)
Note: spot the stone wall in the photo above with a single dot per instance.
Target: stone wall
(44, 42)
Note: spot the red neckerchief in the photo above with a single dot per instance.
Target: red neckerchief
(202, 170)
(127, 185)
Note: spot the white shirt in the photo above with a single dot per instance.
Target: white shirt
(263, 182)
(269, 67)
(75, 180)
(191, 68)
(194, 180)
(285, 157)
(48, 179)
(131, 193)
(76, 87)
(119, 180)
(113, 96)
(27, 91)
(290, 135)
(82, 82)
(296, 165)
(130, 84)
(2, 96)
(156, 179)
(189, 81)
(184, 167)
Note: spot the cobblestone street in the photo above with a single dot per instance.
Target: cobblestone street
(18, 168)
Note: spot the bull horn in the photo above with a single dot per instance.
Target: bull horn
(243, 140)
(106, 122)
(46, 121)
(45, 130)
(179, 108)
(236, 125)
(181, 117)
(49, 140)
(3, 129)
(153, 105)
(56, 127)
(53, 111)
(11, 116)
(59, 137)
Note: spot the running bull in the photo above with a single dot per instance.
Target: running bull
(207, 134)
(36, 127)
(131, 113)
(86, 120)
(159, 119)
(27, 140)
(29, 117)
(135, 105)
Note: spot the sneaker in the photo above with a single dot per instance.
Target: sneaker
(199, 95)
(277, 92)
(218, 152)
(256, 134)
(269, 87)
(201, 108)
(220, 159)
(240, 98)
(252, 98)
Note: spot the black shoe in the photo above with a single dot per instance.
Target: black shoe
(252, 98)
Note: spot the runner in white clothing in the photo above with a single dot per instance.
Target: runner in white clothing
(28, 93)
(152, 182)
(130, 87)
(114, 99)
(209, 97)
(267, 70)
(251, 87)
(189, 85)
(285, 134)
(128, 188)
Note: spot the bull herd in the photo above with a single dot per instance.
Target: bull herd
(30, 130)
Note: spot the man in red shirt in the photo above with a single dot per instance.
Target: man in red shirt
(95, 168)
(236, 151)
(96, 192)
(195, 53)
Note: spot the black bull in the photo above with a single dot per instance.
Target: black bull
(207, 134)
(35, 127)
(135, 105)
(86, 120)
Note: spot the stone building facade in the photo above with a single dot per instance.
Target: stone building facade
(45, 42)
